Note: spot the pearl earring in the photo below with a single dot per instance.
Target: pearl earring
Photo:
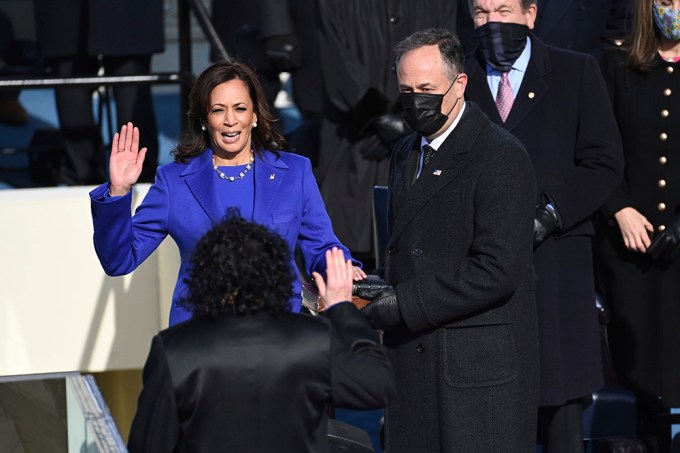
(255, 124)
(203, 128)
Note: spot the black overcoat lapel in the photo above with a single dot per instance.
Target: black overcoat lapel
(532, 89)
(446, 165)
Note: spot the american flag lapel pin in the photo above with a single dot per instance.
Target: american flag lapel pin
(272, 176)
(437, 172)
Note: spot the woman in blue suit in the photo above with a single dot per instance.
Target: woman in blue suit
(229, 157)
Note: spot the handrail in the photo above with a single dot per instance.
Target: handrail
(49, 82)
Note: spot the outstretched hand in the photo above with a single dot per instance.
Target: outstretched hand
(125, 163)
(338, 285)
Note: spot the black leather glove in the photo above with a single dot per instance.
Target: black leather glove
(369, 287)
(390, 128)
(373, 149)
(383, 312)
(285, 51)
(665, 246)
(545, 223)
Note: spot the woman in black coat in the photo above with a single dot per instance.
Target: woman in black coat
(640, 228)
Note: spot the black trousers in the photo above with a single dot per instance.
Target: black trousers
(86, 160)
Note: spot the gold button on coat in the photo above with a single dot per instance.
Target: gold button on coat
(665, 113)
(661, 207)
(667, 92)
(663, 136)
(663, 160)
(669, 69)
(661, 228)
(662, 183)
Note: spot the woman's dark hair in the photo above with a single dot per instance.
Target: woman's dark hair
(642, 49)
(239, 267)
(194, 140)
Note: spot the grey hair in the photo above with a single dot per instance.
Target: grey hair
(449, 46)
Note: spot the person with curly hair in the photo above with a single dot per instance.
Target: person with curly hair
(245, 374)
(229, 157)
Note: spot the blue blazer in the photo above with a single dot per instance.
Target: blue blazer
(181, 203)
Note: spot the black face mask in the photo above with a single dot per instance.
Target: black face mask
(423, 111)
(501, 43)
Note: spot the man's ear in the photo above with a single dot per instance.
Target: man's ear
(530, 13)
(460, 84)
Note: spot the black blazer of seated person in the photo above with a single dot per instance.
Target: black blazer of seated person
(247, 375)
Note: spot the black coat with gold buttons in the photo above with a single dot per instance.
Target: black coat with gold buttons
(644, 296)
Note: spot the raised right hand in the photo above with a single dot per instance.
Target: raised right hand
(125, 163)
(635, 229)
(338, 285)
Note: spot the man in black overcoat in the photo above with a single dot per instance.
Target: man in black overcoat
(362, 116)
(459, 319)
(561, 113)
(72, 36)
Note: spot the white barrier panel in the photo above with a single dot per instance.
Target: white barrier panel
(58, 310)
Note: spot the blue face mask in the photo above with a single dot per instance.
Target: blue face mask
(668, 21)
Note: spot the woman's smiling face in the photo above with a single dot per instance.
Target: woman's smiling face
(230, 119)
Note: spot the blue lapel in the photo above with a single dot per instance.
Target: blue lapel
(199, 177)
(270, 172)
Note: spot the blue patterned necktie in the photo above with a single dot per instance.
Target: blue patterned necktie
(428, 153)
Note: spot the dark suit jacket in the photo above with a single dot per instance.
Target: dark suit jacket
(563, 116)
(257, 384)
(93, 27)
(583, 25)
(460, 258)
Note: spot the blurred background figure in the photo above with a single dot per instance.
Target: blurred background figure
(362, 118)
(236, 22)
(113, 38)
(17, 57)
(639, 236)
(583, 25)
(274, 37)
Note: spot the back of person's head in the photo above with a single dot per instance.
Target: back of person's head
(449, 46)
(238, 268)
(194, 139)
